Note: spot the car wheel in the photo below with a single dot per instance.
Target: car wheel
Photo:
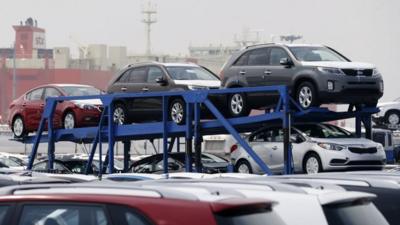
(306, 95)
(177, 111)
(69, 120)
(18, 127)
(237, 105)
(243, 166)
(119, 114)
(312, 164)
(392, 117)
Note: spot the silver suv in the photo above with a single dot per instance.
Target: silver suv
(314, 74)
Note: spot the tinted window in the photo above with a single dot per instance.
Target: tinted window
(3, 213)
(153, 74)
(124, 77)
(353, 214)
(311, 54)
(324, 131)
(246, 218)
(80, 90)
(242, 59)
(62, 215)
(276, 54)
(9, 162)
(35, 95)
(190, 73)
(268, 135)
(51, 92)
(138, 75)
(126, 216)
(258, 57)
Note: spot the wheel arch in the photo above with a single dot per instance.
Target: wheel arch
(301, 79)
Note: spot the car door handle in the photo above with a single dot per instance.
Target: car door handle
(242, 72)
(274, 148)
(267, 72)
(124, 89)
(145, 89)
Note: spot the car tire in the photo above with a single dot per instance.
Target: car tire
(69, 121)
(306, 95)
(243, 166)
(392, 117)
(312, 164)
(120, 115)
(18, 127)
(237, 105)
(177, 111)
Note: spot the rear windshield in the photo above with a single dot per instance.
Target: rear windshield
(354, 214)
(190, 73)
(259, 218)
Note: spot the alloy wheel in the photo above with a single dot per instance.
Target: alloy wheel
(305, 97)
(69, 121)
(18, 127)
(237, 104)
(393, 119)
(119, 115)
(312, 165)
(243, 168)
(177, 112)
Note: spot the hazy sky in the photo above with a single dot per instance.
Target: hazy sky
(363, 30)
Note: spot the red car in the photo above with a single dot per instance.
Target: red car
(90, 205)
(26, 111)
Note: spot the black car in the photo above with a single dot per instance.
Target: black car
(176, 163)
(314, 74)
(157, 77)
(68, 165)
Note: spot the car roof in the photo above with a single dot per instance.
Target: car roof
(163, 64)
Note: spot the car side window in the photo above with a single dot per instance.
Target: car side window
(124, 78)
(51, 92)
(138, 75)
(242, 61)
(3, 213)
(40, 166)
(58, 214)
(278, 135)
(35, 95)
(263, 136)
(276, 54)
(154, 73)
(122, 215)
(258, 57)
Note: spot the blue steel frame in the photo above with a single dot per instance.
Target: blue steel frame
(193, 129)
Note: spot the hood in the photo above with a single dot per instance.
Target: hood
(385, 104)
(88, 102)
(340, 65)
(203, 83)
(347, 141)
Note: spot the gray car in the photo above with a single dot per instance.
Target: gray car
(314, 74)
(157, 77)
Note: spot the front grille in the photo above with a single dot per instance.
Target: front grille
(358, 72)
(363, 150)
(365, 163)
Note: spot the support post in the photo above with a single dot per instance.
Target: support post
(358, 126)
(127, 155)
(165, 133)
(111, 139)
(50, 144)
(188, 142)
(287, 145)
(197, 138)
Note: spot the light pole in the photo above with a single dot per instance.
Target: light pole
(14, 80)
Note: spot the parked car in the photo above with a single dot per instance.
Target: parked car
(314, 74)
(389, 114)
(67, 165)
(316, 148)
(26, 111)
(157, 77)
(11, 163)
(104, 204)
(176, 163)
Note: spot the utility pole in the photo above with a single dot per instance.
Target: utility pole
(148, 20)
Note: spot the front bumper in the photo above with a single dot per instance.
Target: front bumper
(85, 118)
(349, 89)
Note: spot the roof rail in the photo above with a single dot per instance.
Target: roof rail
(251, 46)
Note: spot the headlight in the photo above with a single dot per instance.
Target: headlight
(380, 147)
(330, 70)
(329, 146)
(195, 87)
(375, 72)
(86, 106)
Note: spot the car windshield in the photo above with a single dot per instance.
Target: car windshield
(324, 131)
(190, 73)
(353, 214)
(80, 90)
(314, 54)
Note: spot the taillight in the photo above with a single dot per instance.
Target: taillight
(234, 147)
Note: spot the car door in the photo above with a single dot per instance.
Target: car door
(57, 116)
(33, 108)
(277, 74)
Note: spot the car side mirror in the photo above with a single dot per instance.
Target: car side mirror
(286, 62)
(161, 81)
